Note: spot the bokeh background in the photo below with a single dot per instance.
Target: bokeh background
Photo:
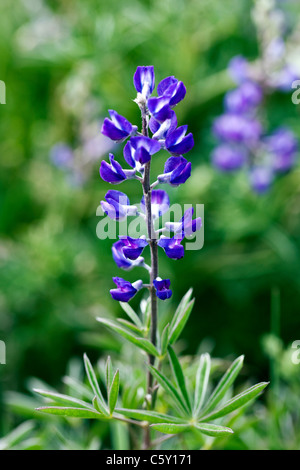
(64, 64)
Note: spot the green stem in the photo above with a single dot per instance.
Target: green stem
(153, 272)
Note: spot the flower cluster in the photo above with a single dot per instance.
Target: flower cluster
(158, 120)
(243, 142)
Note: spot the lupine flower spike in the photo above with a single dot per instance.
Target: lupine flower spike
(160, 120)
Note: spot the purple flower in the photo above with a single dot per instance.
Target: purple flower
(139, 150)
(236, 128)
(243, 99)
(117, 205)
(113, 173)
(133, 247)
(160, 203)
(119, 257)
(283, 145)
(171, 88)
(261, 178)
(159, 108)
(239, 69)
(161, 130)
(162, 287)
(229, 158)
(177, 143)
(125, 290)
(144, 80)
(118, 128)
(177, 170)
(186, 226)
(165, 84)
(62, 155)
(121, 260)
(172, 246)
(284, 79)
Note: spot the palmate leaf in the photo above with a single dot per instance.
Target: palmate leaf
(178, 374)
(224, 385)
(71, 412)
(202, 379)
(150, 416)
(61, 399)
(169, 389)
(236, 402)
(95, 386)
(142, 343)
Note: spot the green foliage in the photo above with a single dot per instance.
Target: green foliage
(187, 414)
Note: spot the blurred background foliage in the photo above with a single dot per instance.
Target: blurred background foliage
(64, 64)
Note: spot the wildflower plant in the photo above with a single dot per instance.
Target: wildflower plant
(169, 403)
(243, 141)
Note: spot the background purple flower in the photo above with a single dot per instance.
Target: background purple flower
(229, 158)
(62, 155)
(283, 146)
(239, 69)
(261, 178)
(244, 99)
(237, 128)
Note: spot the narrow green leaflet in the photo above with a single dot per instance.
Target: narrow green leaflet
(224, 384)
(78, 388)
(168, 428)
(147, 315)
(202, 379)
(150, 416)
(181, 321)
(109, 373)
(130, 325)
(17, 435)
(178, 373)
(113, 392)
(181, 307)
(169, 388)
(213, 429)
(164, 341)
(131, 313)
(71, 412)
(142, 343)
(237, 402)
(96, 405)
(94, 384)
(63, 399)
